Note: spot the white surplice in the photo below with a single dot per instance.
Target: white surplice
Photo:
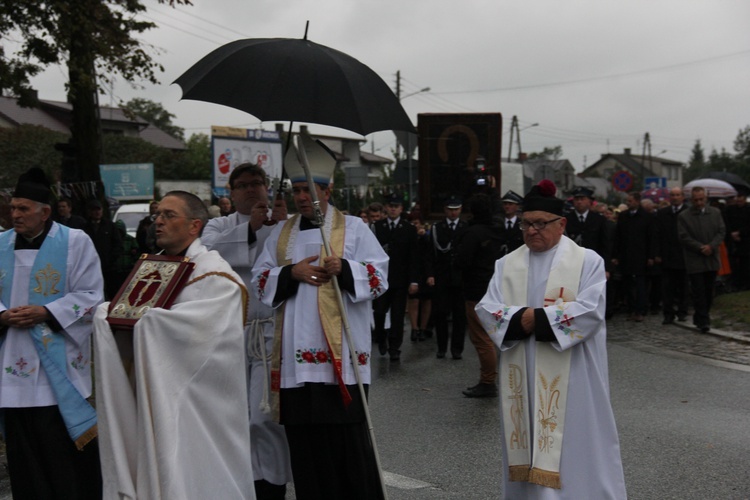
(23, 381)
(590, 465)
(228, 236)
(303, 334)
(185, 432)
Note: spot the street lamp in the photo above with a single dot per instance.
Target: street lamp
(408, 148)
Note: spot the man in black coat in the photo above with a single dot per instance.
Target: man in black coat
(510, 221)
(670, 255)
(737, 220)
(65, 215)
(399, 240)
(445, 277)
(108, 243)
(634, 252)
(586, 227)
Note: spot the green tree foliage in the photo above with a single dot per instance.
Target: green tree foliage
(28, 146)
(721, 161)
(548, 153)
(155, 114)
(95, 39)
(196, 160)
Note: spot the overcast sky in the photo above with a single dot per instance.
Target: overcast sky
(596, 75)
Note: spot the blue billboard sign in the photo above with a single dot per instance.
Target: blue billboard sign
(128, 181)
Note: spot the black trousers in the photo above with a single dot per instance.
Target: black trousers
(674, 290)
(449, 300)
(394, 299)
(43, 461)
(702, 289)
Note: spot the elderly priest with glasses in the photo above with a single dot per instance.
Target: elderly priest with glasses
(544, 309)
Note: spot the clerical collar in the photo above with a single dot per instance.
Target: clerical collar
(305, 224)
(35, 243)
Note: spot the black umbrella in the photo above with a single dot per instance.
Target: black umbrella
(740, 184)
(295, 80)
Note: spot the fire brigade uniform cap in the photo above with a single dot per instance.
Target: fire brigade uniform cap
(542, 198)
(319, 157)
(512, 197)
(33, 185)
(453, 202)
(394, 199)
(583, 192)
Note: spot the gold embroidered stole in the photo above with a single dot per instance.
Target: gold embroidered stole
(552, 372)
(328, 309)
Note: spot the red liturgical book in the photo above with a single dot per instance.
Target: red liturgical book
(154, 281)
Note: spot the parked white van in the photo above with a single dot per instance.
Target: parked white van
(131, 214)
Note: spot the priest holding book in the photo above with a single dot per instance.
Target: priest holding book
(173, 416)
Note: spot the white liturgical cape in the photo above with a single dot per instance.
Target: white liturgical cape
(590, 464)
(184, 433)
(228, 236)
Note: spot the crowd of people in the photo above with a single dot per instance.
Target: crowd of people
(266, 351)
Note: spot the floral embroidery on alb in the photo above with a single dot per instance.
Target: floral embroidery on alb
(321, 356)
(20, 372)
(375, 279)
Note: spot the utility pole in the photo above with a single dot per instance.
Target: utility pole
(513, 126)
(646, 142)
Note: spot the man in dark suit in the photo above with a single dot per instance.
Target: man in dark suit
(634, 252)
(108, 243)
(670, 255)
(588, 228)
(445, 277)
(66, 216)
(511, 222)
(399, 240)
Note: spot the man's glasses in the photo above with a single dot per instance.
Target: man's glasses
(245, 185)
(168, 216)
(538, 225)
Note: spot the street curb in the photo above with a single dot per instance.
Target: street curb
(743, 337)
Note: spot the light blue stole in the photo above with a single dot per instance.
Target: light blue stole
(47, 284)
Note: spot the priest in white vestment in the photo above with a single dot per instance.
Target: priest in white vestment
(50, 285)
(312, 378)
(544, 309)
(183, 432)
(239, 238)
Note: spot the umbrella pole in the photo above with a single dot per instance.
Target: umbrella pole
(344, 318)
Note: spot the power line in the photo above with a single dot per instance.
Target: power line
(598, 78)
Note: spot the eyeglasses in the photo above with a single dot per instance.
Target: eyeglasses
(168, 216)
(538, 225)
(245, 185)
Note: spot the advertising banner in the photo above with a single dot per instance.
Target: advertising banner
(233, 146)
(128, 181)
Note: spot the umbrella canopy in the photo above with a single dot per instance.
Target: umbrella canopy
(735, 180)
(715, 188)
(295, 80)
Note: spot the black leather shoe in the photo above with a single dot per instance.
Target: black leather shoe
(704, 328)
(456, 355)
(395, 356)
(481, 391)
(415, 335)
(441, 354)
(668, 321)
(681, 318)
(383, 347)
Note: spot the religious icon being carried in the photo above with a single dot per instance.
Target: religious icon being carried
(154, 281)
